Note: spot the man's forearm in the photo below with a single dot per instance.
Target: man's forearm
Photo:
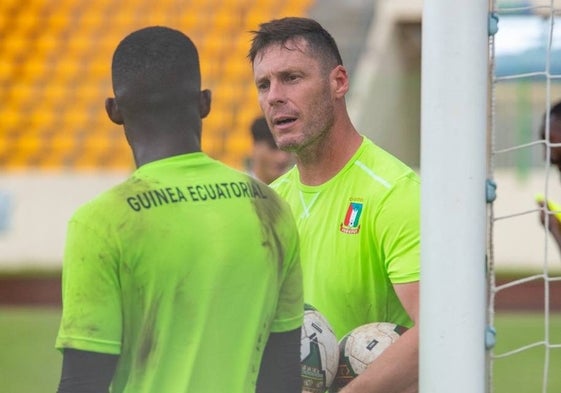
(395, 371)
(86, 372)
(280, 370)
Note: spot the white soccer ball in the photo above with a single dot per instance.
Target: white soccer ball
(361, 346)
(319, 352)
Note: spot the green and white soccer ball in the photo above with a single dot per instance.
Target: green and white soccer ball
(319, 352)
(360, 347)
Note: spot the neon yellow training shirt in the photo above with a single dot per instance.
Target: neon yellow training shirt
(182, 270)
(359, 234)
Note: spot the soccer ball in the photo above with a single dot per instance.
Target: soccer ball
(360, 347)
(319, 352)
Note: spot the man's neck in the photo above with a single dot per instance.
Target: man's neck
(161, 148)
(324, 162)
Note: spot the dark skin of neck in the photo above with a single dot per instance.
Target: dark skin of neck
(155, 135)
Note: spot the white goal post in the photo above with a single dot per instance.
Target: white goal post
(454, 104)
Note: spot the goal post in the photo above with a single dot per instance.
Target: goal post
(454, 102)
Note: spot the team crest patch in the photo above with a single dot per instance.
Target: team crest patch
(351, 223)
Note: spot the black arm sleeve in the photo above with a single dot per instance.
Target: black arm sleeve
(86, 372)
(281, 370)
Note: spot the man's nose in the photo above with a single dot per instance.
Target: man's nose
(276, 93)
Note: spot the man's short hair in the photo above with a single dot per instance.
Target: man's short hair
(155, 62)
(280, 31)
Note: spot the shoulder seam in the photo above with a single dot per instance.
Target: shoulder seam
(373, 175)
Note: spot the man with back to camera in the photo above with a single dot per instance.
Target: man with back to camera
(185, 277)
(267, 161)
(356, 206)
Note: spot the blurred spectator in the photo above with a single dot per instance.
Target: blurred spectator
(267, 161)
(554, 225)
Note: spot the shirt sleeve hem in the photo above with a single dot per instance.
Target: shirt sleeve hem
(86, 344)
(286, 325)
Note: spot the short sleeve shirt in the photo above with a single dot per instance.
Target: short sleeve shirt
(360, 234)
(183, 269)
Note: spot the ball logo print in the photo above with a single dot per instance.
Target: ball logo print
(319, 352)
(360, 347)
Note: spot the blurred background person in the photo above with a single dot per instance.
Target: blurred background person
(553, 223)
(267, 161)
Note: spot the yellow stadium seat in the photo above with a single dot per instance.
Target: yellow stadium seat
(46, 43)
(11, 118)
(56, 22)
(78, 46)
(54, 93)
(41, 119)
(20, 95)
(14, 46)
(7, 5)
(91, 21)
(61, 143)
(7, 67)
(26, 148)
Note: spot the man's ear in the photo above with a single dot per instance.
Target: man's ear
(340, 81)
(204, 103)
(113, 111)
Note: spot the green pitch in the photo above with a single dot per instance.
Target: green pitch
(523, 372)
(28, 360)
(29, 363)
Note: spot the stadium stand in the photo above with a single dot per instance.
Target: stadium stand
(54, 76)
